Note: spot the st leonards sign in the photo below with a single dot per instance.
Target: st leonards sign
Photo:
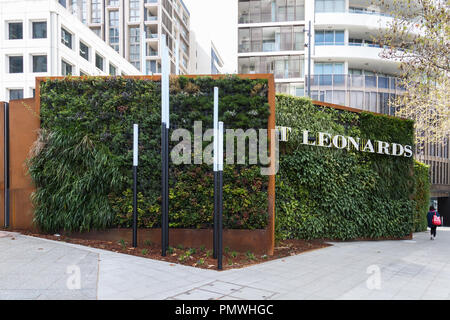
(323, 139)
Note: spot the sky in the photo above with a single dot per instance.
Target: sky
(218, 20)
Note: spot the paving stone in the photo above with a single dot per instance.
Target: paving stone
(221, 287)
(198, 294)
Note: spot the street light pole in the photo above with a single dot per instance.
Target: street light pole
(165, 70)
(135, 165)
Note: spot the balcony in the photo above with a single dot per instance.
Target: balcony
(151, 18)
(150, 35)
(366, 92)
(361, 53)
(352, 19)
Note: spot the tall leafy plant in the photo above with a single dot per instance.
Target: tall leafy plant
(73, 178)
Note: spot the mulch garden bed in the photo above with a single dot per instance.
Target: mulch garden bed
(194, 257)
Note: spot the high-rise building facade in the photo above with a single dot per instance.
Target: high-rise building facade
(204, 56)
(40, 39)
(133, 28)
(345, 63)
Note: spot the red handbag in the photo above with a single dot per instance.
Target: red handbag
(436, 220)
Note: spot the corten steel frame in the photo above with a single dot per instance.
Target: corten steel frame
(270, 126)
(15, 183)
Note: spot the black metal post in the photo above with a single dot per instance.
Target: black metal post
(6, 163)
(219, 222)
(163, 189)
(135, 165)
(135, 218)
(167, 188)
(216, 205)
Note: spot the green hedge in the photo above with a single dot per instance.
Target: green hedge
(421, 195)
(340, 194)
(82, 165)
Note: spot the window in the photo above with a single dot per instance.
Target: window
(135, 54)
(244, 40)
(66, 68)
(328, 73)
(99, 62)
(244, 11)
(299, 38)
(112, 70)
(330, 6)
(83, 10)
(271, 39)
(281, 66)
(329, 68)
(15, 64)
(152, 67)
(39, 30)
(96, 11)
(329, 38)
(15, 30)
(113, 3)
(83, 74)
(15, 94)
(66, 38)
(134, 10)
(40, 63)
(251, 11)
(84, 51)
(114, 30)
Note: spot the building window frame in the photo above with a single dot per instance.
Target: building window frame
(84, 51)
(15, 93)
(39, 66)
(66, 38)
(35, 33)
(14, 65)
(99, 61)
(65, 67)
(15, 30)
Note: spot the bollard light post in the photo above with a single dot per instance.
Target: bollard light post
(165, 70)
(135, 165)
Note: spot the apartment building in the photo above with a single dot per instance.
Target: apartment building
(205, 58)
(133, 28)
(345, 63)
(40, 38)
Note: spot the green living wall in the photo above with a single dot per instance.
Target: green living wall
(82, 162)
(342, 194)
(421, 195)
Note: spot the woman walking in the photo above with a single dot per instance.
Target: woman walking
(434, 220)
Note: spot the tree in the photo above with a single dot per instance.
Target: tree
(419, 38)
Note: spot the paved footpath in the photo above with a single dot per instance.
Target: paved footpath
(33, 268)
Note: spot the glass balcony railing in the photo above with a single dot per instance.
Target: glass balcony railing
(356, 81)
(367, 11)
(151, 35)
(368, 45)
(366, 92)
